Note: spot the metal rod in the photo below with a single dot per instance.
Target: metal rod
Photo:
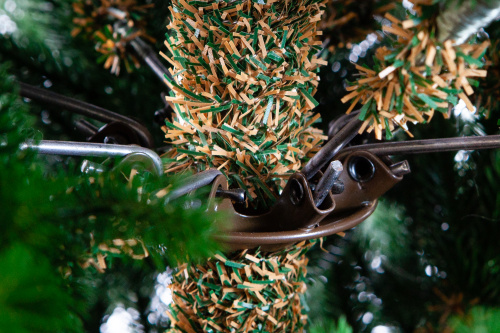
(85, 109)
(337, 187)
(86, 128)
(400, 168)
(145, 52)
(429, 146)
(71, 148)
(331, 148)
(336, 125)
(325, 184)
(150, 58)
(192, 183)
(238, 195)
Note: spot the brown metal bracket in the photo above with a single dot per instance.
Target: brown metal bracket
(366, 178)
(294, 209)
(294, 217)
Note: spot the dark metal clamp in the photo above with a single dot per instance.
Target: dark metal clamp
(354, 178)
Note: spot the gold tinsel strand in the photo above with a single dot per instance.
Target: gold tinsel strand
(247, 291)
(244, 75)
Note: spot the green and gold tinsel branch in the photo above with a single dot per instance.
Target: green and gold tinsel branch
(415, 75)
(245, 291)
(244, 75)
(111, 25)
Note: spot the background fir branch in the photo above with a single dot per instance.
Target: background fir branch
(330, 326)
(479, 320)
(62, 220)
(33, 295)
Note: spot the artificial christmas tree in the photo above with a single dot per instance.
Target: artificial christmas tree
(199, 80)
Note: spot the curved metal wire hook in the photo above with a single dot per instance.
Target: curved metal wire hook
(71, 148)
